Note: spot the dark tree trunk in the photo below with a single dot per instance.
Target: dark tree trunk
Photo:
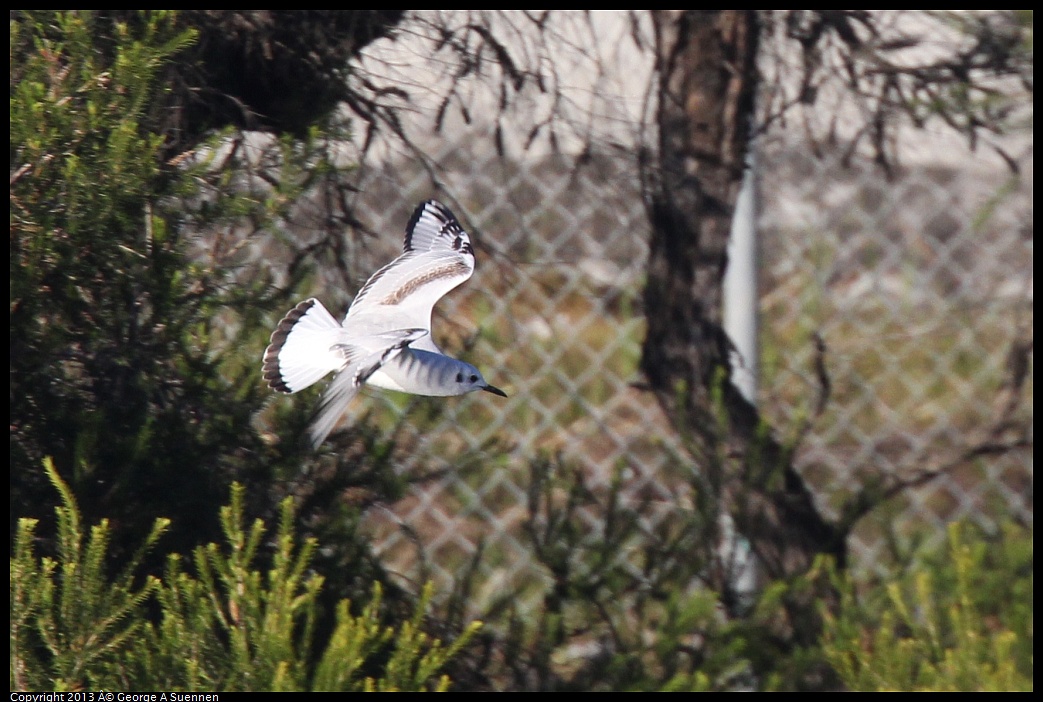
(707, 79)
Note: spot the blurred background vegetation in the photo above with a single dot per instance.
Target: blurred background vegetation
(166, 171)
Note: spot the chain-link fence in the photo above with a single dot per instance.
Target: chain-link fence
(917, 283)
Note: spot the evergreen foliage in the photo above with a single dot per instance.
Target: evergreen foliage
(629, 607)
(634, 604)
(110, 369)
(134, 358)
(225, 626)
(135, 344)
(69, 621)
(959, 620)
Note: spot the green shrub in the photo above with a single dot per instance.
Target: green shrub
(957, 622)
(111, 372)
(228, 626)
(135, 340)
(638, 598)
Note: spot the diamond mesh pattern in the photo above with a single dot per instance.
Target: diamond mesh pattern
(916, 285)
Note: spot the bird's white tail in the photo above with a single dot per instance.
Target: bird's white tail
(301, 351)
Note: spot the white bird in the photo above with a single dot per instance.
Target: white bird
(385, 339)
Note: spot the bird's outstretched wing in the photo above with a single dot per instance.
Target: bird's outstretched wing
(437, 257)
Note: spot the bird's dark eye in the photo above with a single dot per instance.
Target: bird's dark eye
(459, 377)
(474, 378)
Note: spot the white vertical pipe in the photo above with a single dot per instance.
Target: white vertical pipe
(740, 323)
(740, 286)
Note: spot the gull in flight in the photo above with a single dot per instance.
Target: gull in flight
(385, 339)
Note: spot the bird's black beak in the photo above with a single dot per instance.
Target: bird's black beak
(494, 390)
